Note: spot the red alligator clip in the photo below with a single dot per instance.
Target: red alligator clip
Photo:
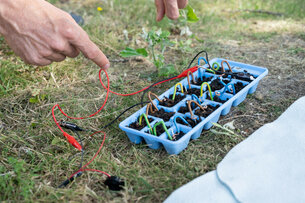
(184, 73)
(73, 141)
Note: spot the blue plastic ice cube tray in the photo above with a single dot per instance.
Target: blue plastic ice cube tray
(185, 131)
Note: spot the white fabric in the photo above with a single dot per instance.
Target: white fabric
(269, 166)
(204, 189)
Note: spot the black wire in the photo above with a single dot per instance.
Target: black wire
(141, 103)
(189, 66)
(69, 180)
(111, 122)
(206, 56)
(145, 91)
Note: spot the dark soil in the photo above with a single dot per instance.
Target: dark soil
(135, 125)
(194, 91)
(207, 111)
(162, 114)
(168, 102)
(183, 109)
(245, 76)
(192, 122)
(219, 72)
(177, 137)
(239, 86)
(217, 99)
(159, 129)
(199, 81)
(216, 85)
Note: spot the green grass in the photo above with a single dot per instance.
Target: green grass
(35, 158)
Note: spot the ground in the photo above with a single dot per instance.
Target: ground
(34, 156)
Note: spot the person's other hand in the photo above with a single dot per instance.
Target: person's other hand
(170, 8)
(40, 33)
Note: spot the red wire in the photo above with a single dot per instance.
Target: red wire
(54, 118)
(130, 94)
(98, 151)
(79, 118)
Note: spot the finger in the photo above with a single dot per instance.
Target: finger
(70, 51)
(171, 9)
(160, 9)
(64, 47)
(56, 57)
(182, 4)
(43, 62)
(89, 49)
(38, 61)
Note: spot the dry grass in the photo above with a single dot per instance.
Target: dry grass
(43, 159)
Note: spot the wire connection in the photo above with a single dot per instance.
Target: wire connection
(113, 182)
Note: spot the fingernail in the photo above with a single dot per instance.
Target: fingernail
(106, 66)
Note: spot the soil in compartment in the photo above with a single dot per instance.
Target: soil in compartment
(135, 125)
(217, 85)
(199, 81)
(192, 122)
(219, 72)
(183, 109)
(162, 114)
(193, 91)
(177, 137)
(168, 102)
(217, 99)
(206, 112)
(239, 86)
(159, 129)
(245, 76)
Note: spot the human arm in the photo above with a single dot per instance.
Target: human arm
(40, 33)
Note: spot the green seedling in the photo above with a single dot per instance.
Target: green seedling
(157, 42)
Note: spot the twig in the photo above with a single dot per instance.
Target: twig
(8, 173)
(71, 100)
(54, 79)
(240, 116)
(118, 60)
(260, 11)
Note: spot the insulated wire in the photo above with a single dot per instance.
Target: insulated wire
(172, 78)
(111, 122)
(83, 151)
(82, 168)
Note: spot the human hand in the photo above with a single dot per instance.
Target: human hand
(40, 33)
(170, 8)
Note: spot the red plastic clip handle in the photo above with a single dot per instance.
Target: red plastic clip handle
(184, 73)
(73, 141)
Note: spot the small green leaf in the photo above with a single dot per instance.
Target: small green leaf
(129, 52)
(199, 40)
(191, 16)
(34, 100)
(34, 125)
(55, 141)
(158, 63)
(43, 97)
(165, 34)
(142, 51)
